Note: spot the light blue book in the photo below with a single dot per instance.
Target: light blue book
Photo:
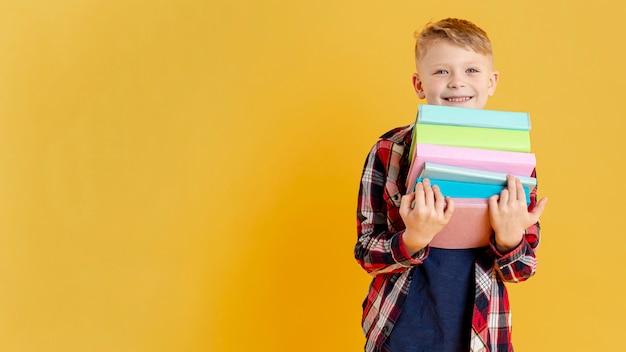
(470, 190)
(456, 116)
(464, 174)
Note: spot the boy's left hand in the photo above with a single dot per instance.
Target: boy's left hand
(509, 214)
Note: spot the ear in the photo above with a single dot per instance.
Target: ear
(493, 82)
(417, 85)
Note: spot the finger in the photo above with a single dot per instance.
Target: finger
(449, 210)
(493, 201)
(419, 187)
(511, 186)
(419, 194)
(429, 196)
(406, 203)
(504, 196)
(440, 200)
(521, 192)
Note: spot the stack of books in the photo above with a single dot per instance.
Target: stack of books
(468, 153)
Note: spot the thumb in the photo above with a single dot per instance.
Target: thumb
(449, 209)
(538, 209)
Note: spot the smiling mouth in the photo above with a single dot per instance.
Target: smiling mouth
(458, 99)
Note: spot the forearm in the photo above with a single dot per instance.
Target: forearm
(519, 263)
(514, 253)
(384, 252)
(380, 247)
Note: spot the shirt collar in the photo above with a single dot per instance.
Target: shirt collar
(400, 135)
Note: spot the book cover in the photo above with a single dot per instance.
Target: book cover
(458, 116)
(485, 159)
(474, 137)
(470, 190)
(469, 226)
(463, 174)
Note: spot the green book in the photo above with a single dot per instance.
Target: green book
(474, 137)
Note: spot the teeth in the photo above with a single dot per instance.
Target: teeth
(457, 100)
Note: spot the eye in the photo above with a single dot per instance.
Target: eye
(471, 70)
(441, 72)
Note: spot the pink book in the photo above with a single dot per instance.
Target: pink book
(516, 163)
(468, 228)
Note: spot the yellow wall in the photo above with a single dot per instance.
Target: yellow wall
(181, 175)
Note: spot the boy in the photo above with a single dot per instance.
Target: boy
(432, 299)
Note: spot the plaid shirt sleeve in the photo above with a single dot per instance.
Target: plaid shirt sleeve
(520, 263)
(380, 248)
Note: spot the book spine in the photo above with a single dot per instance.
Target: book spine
(486, 156)
(514, 163)
(470, 190)
(474, 137)
(463, 174)
(447, 115)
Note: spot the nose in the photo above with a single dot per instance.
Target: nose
(456, 81)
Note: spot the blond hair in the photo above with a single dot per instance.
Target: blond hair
(457, 31)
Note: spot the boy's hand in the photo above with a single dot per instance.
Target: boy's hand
(424, 213)
(509, 214)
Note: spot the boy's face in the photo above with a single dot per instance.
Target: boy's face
(454, 76)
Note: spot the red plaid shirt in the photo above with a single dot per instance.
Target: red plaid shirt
(381, 252)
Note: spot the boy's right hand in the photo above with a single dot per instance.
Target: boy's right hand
(425, 213)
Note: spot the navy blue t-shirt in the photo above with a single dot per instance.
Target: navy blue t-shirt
(437, 314)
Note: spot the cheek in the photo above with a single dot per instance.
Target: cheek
(433, 88)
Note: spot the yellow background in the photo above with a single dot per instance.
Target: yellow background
(181, 175)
